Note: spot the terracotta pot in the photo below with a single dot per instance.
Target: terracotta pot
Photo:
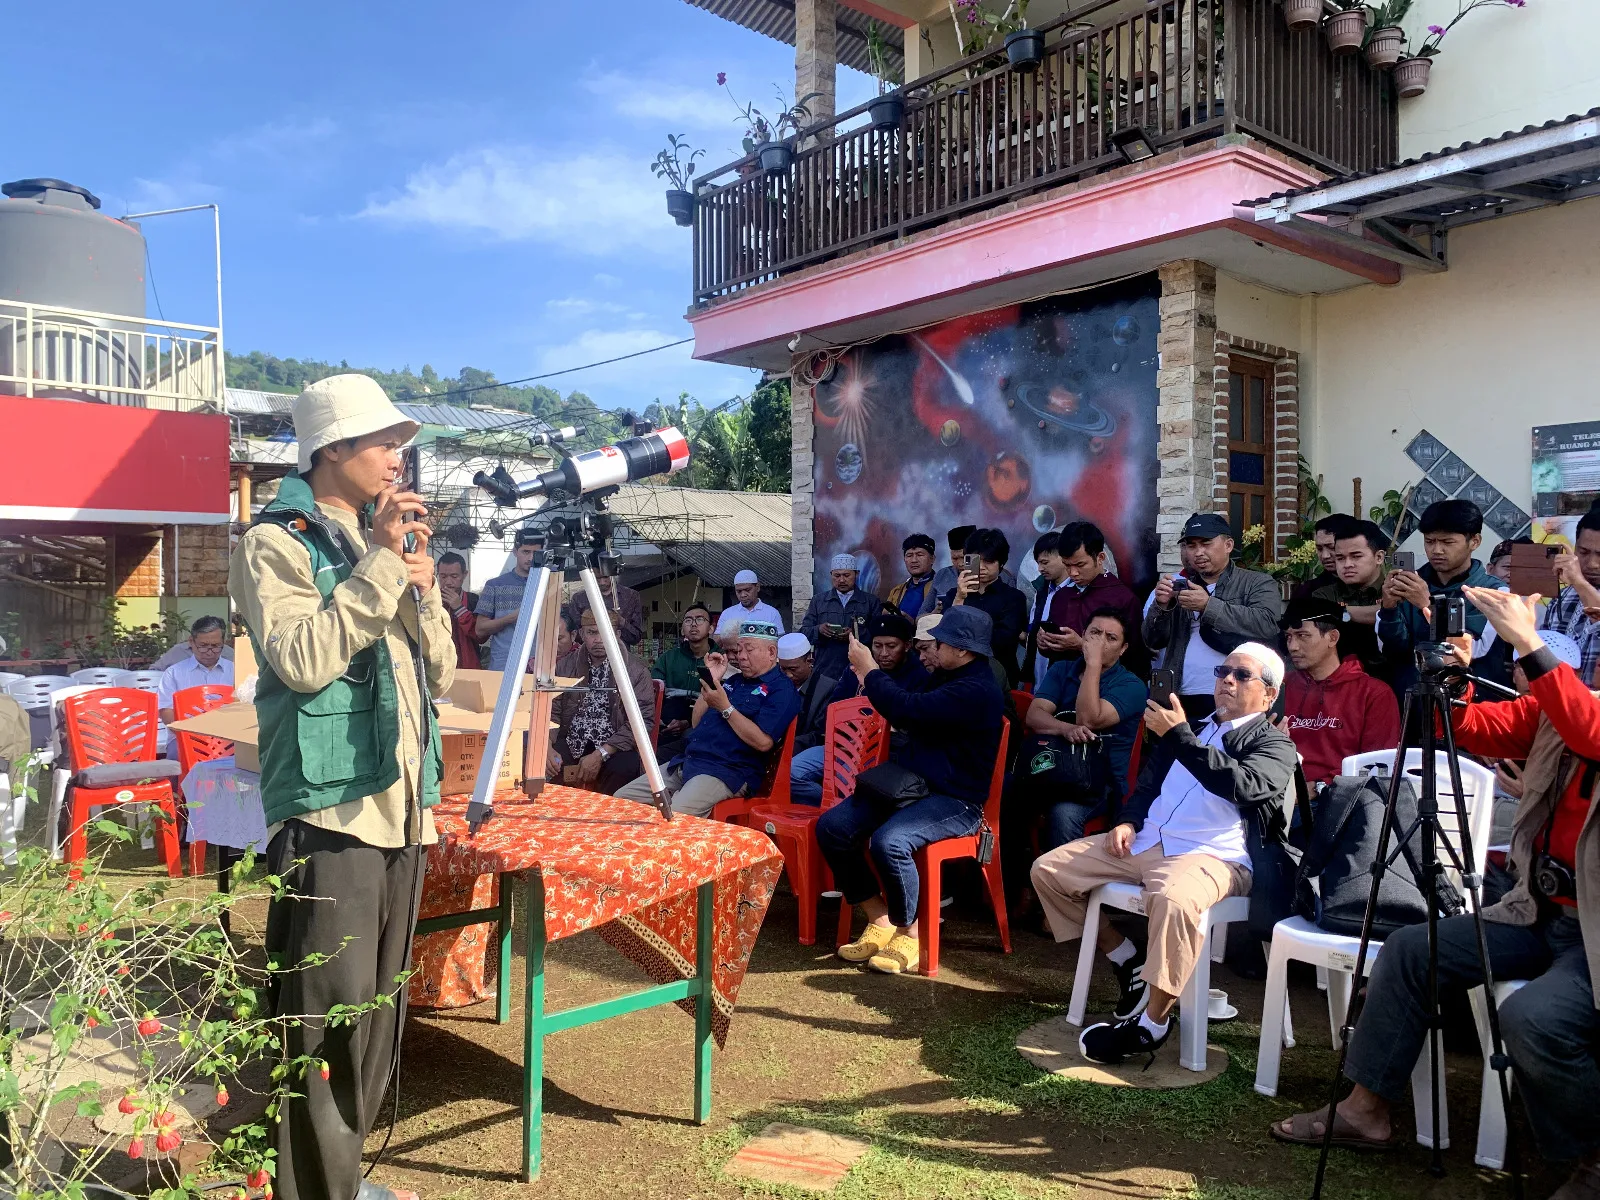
(1411, 76)
(1385, 47)
(1346, 30)
(1302, 14)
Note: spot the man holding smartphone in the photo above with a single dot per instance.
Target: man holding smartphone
(980, 586)
(834, 614)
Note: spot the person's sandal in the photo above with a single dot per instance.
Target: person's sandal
(873, 939)
(1345, 1135)
(376, 1191)
(899, 957)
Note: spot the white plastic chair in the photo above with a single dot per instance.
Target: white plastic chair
(61, 775)
(145, 681)
(98, 676)
(37, 687)
(1299, 940)
(1491, 1150)
(1193, 1005)
(9, 677)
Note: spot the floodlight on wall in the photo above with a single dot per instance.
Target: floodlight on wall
(1133, 143)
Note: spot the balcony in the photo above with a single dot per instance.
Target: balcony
(976, 134)
(73, 354)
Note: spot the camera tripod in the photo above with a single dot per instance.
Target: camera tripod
(576, 546)
(1427, 711)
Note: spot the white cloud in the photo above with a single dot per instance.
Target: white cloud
(580, 306)
(660, 103)
(276, 139)
(592, 203)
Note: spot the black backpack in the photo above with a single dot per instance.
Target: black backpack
(1343, 846)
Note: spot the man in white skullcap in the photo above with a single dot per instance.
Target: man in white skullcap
(1204, 800)
(835, 613)
(749, 607)
(352, 643)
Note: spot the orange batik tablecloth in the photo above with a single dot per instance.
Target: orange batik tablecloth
(610, 864)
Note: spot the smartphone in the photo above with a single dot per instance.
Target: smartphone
(1049, 627)
(969, 563)
(1405, 560)
(1531, 569)
(1163, 686)
(856, 624)
(1179, 582)
(706, 678)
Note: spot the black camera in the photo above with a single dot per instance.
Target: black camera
(1554, 879)
(1449, 617)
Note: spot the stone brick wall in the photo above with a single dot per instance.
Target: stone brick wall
(803, 428)
(1286, 433)
(1187, 404)
(195, 560)
(135, 562)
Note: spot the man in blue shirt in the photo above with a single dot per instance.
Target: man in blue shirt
(501, 599)
(1086, 700)
(736, 724)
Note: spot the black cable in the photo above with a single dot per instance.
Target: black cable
(484, 387)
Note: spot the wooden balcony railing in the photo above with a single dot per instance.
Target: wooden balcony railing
(977, 134)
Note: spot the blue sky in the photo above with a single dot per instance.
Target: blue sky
(462, 184)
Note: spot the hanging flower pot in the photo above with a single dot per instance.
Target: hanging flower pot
(1346, 30)
(1302, 14)
(886, 112)
(680, 206)
(1411, 76)
(775, 156)
(1385, 46)
(1025, 50)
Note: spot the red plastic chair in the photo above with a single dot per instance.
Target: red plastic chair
(856, 738)
(111, 726)
(655, 725)
(775, 790)
(930, 862)
(198, 747)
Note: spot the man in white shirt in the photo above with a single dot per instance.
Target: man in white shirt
(747, 590)
(1183, 838)
(204, 664)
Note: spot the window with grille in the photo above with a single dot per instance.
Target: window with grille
(1250, 438)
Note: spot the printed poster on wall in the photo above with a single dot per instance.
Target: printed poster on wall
(1566, 468)
(1023, 418)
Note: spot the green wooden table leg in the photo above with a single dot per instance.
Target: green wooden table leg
(705, 956)
(503, 928)
(533, 1035)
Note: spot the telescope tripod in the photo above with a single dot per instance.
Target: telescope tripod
(576, 547)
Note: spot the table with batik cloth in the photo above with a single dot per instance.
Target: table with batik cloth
(683, 898)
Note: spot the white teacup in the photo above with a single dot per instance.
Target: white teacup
(1218, 1008)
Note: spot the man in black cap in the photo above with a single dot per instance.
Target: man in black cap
(1196, 618)
(916, 595)
(954, 726)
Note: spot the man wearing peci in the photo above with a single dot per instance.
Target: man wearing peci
(834, 614)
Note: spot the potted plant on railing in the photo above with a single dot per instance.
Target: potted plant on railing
(1302, 14)
(672, 166)
(777, 152)
(1385, 39)
(1411, 74)
(887, 111)
(1347, 28)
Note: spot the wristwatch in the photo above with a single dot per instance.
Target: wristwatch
(727, 713)
(605, 753)
(1344, 613)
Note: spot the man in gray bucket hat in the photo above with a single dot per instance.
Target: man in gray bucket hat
(953, 724)
(328, 581)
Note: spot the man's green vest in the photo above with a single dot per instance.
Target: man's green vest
(323, 748)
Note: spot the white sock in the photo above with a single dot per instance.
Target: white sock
(1123, 952)
(1155, 1029)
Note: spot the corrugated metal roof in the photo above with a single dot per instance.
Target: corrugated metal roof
(715, 534)
(250, 402)
(1534, 167)
(775, 19)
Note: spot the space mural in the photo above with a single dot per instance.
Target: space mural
(1022, 418)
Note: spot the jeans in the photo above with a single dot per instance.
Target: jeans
(1550, 1026)
(1027, 799)
(805, 776)
(891, 839)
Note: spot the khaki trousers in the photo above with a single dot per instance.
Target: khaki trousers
(1176, 891)
(695, 796)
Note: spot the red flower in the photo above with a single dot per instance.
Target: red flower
(107, 936)
(6, 914)
(136, 1148)
(168, 1142)
(123, 969)
(128, 1104)
(27, 654)
(91, 1022)
(222, 1097)
(259, 1179)
(722, 78)
(149, 1027)
(323, 1070)
(83, 929)
(166, 1118)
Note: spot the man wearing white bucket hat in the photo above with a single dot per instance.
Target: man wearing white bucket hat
(328, 581)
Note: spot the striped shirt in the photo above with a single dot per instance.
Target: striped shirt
(1565, 614)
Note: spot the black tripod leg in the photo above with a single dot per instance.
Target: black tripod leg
(1428, 820)
(1357, 993)
(1473, 882)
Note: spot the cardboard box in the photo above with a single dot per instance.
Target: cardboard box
(477, 691)
(462, 754)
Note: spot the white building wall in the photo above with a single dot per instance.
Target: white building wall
(1502, 69)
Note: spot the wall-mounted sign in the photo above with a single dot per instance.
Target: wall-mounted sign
(1566, 468)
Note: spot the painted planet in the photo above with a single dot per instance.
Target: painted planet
(950, 432)
(1066, 409)
(1044, 519)
(847, 464)
(1126, 331)
(1008, 479)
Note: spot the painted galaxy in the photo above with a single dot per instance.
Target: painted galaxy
(1023, 418)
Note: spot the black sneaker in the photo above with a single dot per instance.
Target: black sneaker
(1113, 1043)
(1135, 992)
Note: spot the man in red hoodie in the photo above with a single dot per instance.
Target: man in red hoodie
(1332, 708)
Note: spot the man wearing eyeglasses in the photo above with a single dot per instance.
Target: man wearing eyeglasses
(1207, 799)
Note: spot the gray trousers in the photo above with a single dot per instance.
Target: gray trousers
(1550, 1027)
(696, 796)
(343, 889)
